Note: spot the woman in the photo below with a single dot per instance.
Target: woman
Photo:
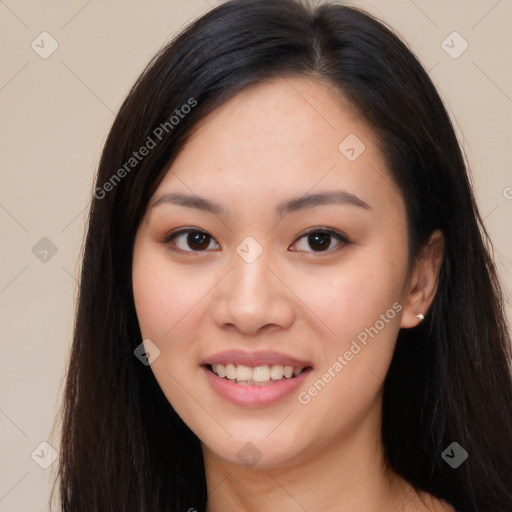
(287, 298)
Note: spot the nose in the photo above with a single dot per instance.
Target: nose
(252, 299)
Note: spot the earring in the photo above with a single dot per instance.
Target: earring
(420, 317)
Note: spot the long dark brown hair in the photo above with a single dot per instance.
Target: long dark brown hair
(123, 446)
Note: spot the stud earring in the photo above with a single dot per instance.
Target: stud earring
(420, 317)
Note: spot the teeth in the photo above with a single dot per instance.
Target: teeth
(230, 371)
(219, 369)
(276, 372)
(256, 375)
(243, 373)
(260, 374)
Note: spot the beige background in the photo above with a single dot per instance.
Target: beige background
(55, 114)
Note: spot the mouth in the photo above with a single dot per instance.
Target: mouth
(263, 375)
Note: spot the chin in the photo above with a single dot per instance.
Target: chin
(258, 450)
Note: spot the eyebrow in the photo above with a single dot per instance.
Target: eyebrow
(341, 197)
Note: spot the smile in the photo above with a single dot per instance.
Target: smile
(249, 393)
(254, 376)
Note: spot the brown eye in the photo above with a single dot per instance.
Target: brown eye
(190, 240)
(320, 240)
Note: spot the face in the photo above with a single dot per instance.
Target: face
(296, 257)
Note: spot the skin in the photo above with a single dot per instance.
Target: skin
(269, 143)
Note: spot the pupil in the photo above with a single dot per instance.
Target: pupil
(319, 240)
(197, 239)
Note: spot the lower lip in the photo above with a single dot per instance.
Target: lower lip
(254, 396)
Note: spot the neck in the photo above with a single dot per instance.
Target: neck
(349, 475)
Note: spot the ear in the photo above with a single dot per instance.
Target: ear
(423, 280)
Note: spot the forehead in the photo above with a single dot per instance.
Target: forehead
(280, 138)
(286, 119)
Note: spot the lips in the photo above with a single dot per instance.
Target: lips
(258, 395)
(252, 386)
(253, 359)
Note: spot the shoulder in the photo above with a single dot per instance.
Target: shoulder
(433, 504)
(420, 501)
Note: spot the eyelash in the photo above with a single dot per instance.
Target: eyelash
(344, 241)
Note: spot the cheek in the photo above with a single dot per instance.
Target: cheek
(362, 307)
(353, 297)
(165, 297)
(168, 306)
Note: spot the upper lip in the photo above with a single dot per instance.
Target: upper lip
(253, 359)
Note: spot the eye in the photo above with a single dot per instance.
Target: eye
(195, 240)
(321, 238)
